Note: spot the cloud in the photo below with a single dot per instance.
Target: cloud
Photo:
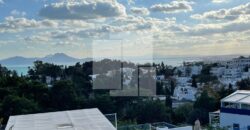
(225, 14)
(130, 2)
(36, 39)
(240, 25)
(83, 9)
(121, 25)
(17, 13)
(12, 24)
(1, 2)
(173, 7)
(139, 11)
(220, 1)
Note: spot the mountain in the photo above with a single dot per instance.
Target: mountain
(58, 58)
(17, 60)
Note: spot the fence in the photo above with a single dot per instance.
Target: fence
(136, 127)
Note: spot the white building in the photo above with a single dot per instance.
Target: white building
(217, 71)
(238, 62)
(187, 71)
(183, 81)
(232, 73)
(245, 75)
(160, 77)
(196, 69)
(84, 119)
(235, 111)
(185, 93)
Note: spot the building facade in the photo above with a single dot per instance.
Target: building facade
(235, 111)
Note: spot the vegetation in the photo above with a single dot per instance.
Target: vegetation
(244, 84)
(71, 88)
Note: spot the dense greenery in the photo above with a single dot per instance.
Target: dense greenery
(244, 84)
(71, 88)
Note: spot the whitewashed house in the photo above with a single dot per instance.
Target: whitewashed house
(183, 81)
(196, 69)
(185, 93)
(238, 62)
(232, 74)
(187, 71)
(160, 77)
(217, 71)
(235, 111)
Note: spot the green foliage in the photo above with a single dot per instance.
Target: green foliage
(244, 84)
(152, 111)
(205, 102)
(63, 96)
(194, 82)
(181, 114)
(200, 114)
(223, 92)
(205, 75)
(14, 105)
(202, 106)
(30, 94)
(164, 70)
(103, 102)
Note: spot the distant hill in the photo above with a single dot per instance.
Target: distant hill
(58, 58)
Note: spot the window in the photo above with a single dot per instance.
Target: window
(236, 127)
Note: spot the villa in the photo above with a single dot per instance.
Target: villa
(234, 113)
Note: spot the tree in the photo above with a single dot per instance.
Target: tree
(14, 105)
(244, 84)
(179, 73)
(35, 90)
(181, 114)
(194, 83)
(200, 114)
(202, 106)
(188, 71)
(205, 102)
(152, 111)
(168, 100)
(63, 96)
(103, 102)
(172, 85)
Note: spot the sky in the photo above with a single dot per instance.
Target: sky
(124, 28)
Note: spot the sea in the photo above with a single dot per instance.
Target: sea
(173, 61)
(21, 70)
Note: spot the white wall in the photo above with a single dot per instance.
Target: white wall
(227, 119)
(183, 128)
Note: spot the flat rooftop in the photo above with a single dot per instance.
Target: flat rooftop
(84, 119)
(240, 96)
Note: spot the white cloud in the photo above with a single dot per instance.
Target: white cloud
(130, 24)
(17, 13)
(225, 14)
(140, 11)
(173, 7)
(12, 24)
(83, 9)
(220, 1)
(1, 2)
(130, 2)
(240, 25)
